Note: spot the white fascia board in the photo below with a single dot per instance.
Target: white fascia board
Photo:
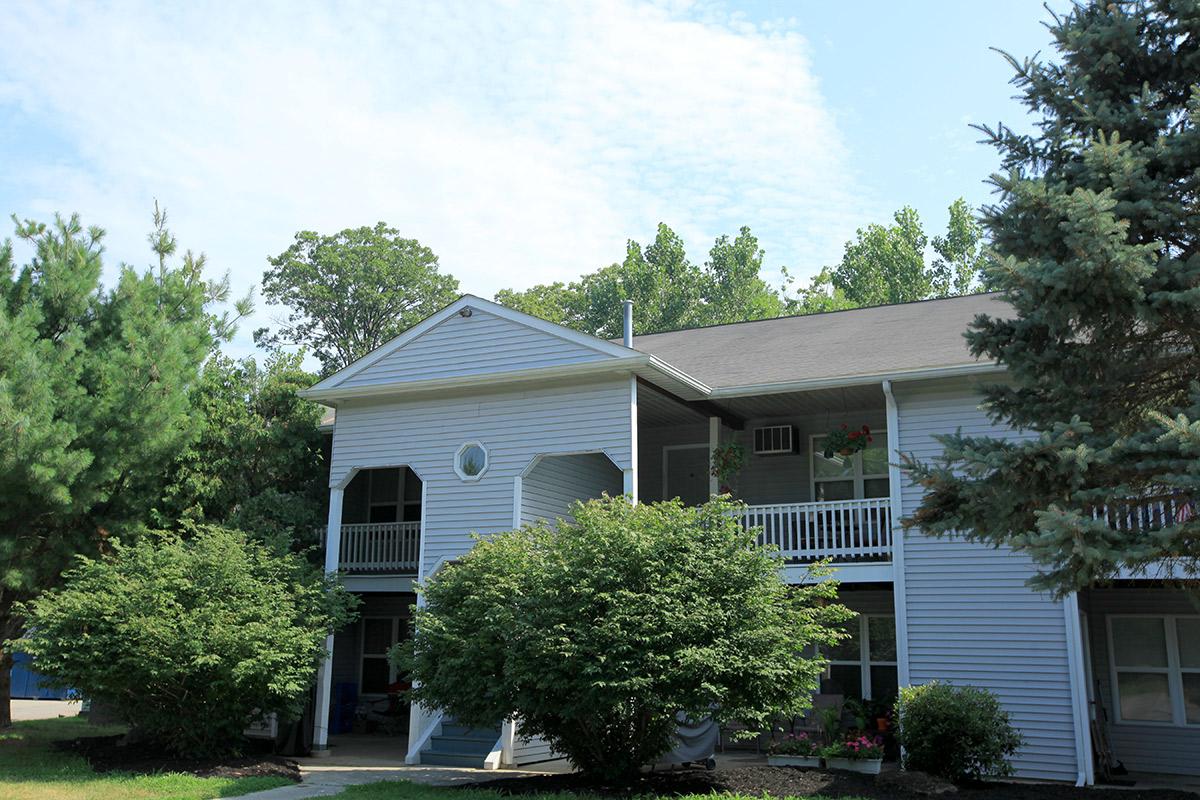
(332, 395)
(602, 346)
(924, 373)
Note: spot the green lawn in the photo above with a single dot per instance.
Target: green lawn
(405, 790)
(30, 769)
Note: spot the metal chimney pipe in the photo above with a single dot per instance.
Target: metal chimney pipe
(628, 323)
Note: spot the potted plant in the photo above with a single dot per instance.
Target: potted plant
(727, 462)
(794, 750)
(859, 754)
(846, 442)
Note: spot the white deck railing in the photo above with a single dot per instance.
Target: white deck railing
(387, 547)
(842, 530)
(1147, 513)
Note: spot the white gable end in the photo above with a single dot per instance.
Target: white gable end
(479, 344)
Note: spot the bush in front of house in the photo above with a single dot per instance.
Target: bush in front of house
(960, 733)
(188, 638)
(595, 634)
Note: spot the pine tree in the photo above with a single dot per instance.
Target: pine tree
(1097, 233)
(93, 399)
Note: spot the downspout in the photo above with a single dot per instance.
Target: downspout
(895, 498)
(1085, 774)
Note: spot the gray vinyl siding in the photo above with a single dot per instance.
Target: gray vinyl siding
(1140, 747)
(514, 426)
(532, 751)
(474, 345)
(556, 482)
(764, 479)
(971, 618)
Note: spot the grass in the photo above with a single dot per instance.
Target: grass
(406, 790)
(30, 769)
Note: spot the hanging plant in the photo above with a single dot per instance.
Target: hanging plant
(845, 442)
(727, 462)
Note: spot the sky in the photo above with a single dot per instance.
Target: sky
(522, 142)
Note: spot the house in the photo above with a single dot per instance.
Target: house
(481, 418)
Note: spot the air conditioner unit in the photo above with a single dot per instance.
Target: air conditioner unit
(774, 439)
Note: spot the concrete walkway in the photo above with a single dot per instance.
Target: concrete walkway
(355, 760)
(43, 709)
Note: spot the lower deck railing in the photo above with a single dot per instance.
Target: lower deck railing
(842, 530)
(381, 547)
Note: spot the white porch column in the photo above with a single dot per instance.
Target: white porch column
(630, 479)
(714, 441)
(333, 552)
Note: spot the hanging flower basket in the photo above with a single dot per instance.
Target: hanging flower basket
(846, 442)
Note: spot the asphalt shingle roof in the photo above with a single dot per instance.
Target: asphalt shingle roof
(865, 341)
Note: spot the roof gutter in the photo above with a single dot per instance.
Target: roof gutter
(923, 373)
(333, 395)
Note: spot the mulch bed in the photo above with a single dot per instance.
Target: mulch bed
(111, 754)
(756, 781)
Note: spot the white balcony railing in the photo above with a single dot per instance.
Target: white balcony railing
(841, 530)
(381, 547)
(1147, 513)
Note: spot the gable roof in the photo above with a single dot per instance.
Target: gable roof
(431, 353)
(885, 341)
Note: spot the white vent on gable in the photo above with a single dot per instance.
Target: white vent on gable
(774, 439)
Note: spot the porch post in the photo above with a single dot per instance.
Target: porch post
(714, 441)
(630, 476)
(333, 551)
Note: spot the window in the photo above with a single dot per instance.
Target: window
(1155, 663)
(864, 666)
(379, 634)
(471, 461)
(383, 495)
(861, 475)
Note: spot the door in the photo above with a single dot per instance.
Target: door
(685, 473)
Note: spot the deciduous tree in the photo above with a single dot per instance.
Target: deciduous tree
(598, 632)
(348, 293)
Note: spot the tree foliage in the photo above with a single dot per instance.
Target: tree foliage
(669, 291)
(888, 264)
(348, 293)
(93, 397)
(188, 639)
(597, 633)
(1097, 233)
(256, 462)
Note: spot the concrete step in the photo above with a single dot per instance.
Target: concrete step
(461, 744)
(437, 759)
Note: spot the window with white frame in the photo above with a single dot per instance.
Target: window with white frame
(379, 634)
(863, 474)
(863, 667)
(1155, 664)
(383, 495)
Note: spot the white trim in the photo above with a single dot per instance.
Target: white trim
(1079, 695)
(516, 517)
(464, 447)
(629, 483)
(602, 346)
(714, 441)
(896, 498)
(667, 449)
(923, 373)
(1174, 671)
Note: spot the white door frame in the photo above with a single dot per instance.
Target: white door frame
(667, 448)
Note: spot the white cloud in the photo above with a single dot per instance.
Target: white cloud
(522, 142)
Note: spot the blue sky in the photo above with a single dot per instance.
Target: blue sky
(522, 142)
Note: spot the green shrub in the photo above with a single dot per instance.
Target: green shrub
(956, 732)
(595, 634)
(188, 638)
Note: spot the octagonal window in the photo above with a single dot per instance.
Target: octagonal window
(471, 461)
